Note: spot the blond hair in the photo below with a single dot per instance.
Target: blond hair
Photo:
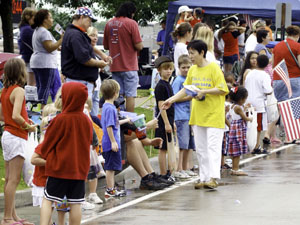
(109, 88)
(47, 111)
(91, 30)
(205, 34)
(58, 101)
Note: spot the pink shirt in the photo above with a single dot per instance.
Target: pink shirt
(120, 36)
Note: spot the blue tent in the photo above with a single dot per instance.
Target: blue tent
(255, 8)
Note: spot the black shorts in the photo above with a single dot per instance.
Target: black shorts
(56, 189)
(230, 59)
(113, 160)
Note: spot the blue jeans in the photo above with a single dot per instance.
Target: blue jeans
(281, 92)
(89, 85)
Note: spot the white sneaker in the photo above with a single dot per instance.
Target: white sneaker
(190, 173)
(94, 198)
(185, 173)
(87, 206)
(180, 175)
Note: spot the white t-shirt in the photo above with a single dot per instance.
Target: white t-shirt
(210, 57)
(221, 43)
(41, 58)
(258, 84)
(180, 49)
(251, 42)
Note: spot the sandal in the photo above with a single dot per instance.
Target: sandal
(238, 173)
(266, 141)
(25, 222)
(7, 222)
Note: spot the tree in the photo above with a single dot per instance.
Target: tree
(147, 10)
(7, 27)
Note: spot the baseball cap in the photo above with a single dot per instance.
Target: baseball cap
(184, 8)
(160, 60)
(85, 11)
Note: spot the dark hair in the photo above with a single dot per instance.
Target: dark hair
(27, 14)
(109, 88)
(39, 18)
(14, 72)
(238, 93)
(199, 46)
(293, 30)
(262, 61)
(247, 65)
(126, 10)
(182, 29)
(261, 34)
(242, 21)
(268, 22)
(225, 29)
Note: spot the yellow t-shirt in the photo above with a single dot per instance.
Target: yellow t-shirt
(211, 111)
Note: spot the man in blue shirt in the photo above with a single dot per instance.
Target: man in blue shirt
(161, 38)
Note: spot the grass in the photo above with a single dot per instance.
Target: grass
(143, 93)
(151, 152)
(22, 184)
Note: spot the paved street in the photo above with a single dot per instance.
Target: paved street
(269, 195)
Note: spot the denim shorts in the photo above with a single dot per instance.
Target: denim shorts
(281, 92)
(184, 135)
(89, 85)
(128, 82)
(230, 59)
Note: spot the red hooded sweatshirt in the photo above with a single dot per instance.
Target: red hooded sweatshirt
(66, 146)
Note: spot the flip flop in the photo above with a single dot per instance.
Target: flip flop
(14, 223)
(25, 222)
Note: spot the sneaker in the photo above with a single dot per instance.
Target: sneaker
(181, 175)
(113, 193)
(170, 177)
(190, 173)
(87, 206)
(265, 151)
(151, 184)
(199, 185)
(256, 151)
(94, 198)
(163, 179)
(121, 192)
(212, 184)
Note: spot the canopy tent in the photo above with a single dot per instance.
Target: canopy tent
(255, 8)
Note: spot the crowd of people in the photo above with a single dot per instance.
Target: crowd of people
(211, 119)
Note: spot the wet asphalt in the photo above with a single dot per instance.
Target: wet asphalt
(269, 195)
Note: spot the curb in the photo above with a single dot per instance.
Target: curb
(24, 198)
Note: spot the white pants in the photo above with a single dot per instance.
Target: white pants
(208, 142)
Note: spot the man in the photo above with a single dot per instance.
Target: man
(78, 60)
(123, 40)
(160, 40)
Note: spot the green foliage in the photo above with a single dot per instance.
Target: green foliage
(62, 18)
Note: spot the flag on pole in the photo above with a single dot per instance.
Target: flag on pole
(290, 112)
(282, 71)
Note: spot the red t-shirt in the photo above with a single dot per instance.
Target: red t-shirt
(7, 109)
(231, 46)
(39, 177)
(120, 36)
(281, 51)
(195, 21)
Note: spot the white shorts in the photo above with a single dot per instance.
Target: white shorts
(12, 146)
(37, 195)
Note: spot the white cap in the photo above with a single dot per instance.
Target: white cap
(184, 8)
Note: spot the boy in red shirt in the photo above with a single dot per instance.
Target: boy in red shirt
(66, 149)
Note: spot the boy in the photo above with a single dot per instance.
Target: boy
(182, 117)
(258, 85)
(207, 116)
(111, 136)
(66, 149)
(163, 90)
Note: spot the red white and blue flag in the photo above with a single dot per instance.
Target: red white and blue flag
(290, 113)
(282, 71)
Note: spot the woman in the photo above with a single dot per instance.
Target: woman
(25, 41)
(250, 64)
(205, 34)
(251, 41)
(229, 34)
(92, 32)
(44, 58)
(182, 34)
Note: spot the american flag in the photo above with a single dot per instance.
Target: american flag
(282, 71)
(290, 112)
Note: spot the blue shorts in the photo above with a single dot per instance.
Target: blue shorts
(230, 59)
(184, 135)
(281, 92)
(113, 160)
(90, 86)
(128, 82)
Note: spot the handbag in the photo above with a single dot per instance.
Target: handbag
(28, 168)
(171, 148)
(272, 109)
(252, 129)
(94, 161)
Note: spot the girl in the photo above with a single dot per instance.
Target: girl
(250, 64)
(205, 34)
(237, 141)
(183, 34)
(17, 126)
(229, 34)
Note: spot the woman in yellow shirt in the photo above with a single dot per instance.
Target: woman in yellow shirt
(208, 115)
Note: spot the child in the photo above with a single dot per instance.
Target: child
(111, 136)
(207, 116)
(166, 124)
(237, 140)
(14, 138)
(182, 116)
(67, 156)
(258, 85)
